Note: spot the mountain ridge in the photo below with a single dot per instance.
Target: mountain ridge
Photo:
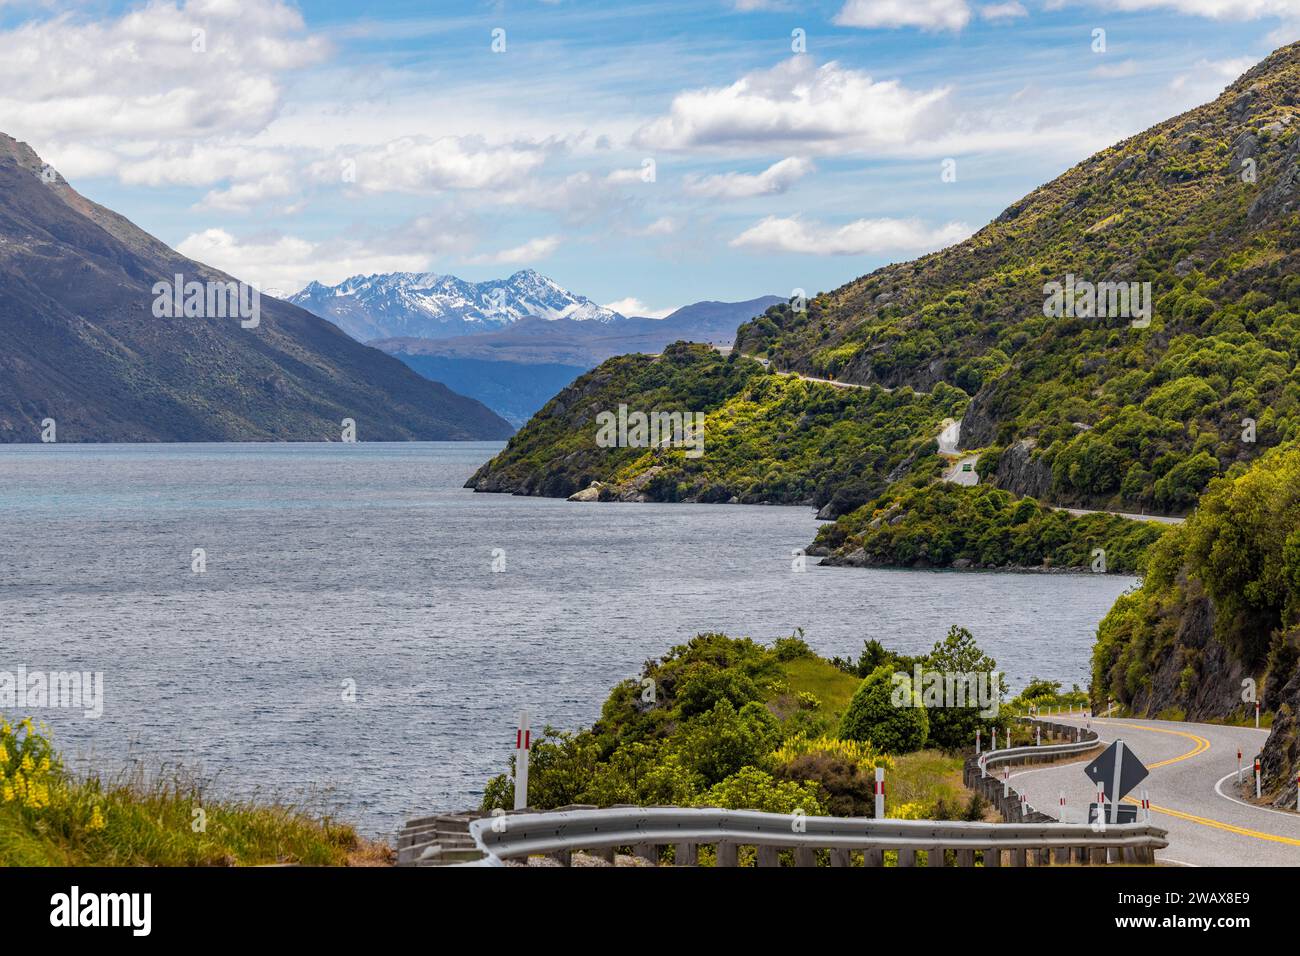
(431, 305)
(85, 348)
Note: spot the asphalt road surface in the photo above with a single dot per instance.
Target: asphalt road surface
(1192, 788)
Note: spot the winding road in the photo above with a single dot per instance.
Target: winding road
(1192, 788)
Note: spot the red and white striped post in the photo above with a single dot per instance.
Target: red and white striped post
(1006, 780)
(1060, 799)
(1239, 767)
(1257, 778)
(1146, 807)
(523, 743)
(1101, 806)
(1024, 806)
(880, 793)
(1257, 715)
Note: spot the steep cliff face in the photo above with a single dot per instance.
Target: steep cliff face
(1280, 759)
(1022, 472)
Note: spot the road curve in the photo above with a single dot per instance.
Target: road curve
(1192, 788)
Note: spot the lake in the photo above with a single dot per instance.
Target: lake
(335, 567)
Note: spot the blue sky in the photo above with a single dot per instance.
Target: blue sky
(645, 154)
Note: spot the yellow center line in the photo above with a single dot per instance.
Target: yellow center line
(1202, 745)
(1242, 831)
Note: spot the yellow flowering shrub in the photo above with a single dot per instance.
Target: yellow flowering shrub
(852, 751)
(32, 780)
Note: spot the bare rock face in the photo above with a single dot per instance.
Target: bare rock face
(1280, 759)
(1023, 474)
(1281, 195)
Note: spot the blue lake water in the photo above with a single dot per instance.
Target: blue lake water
(369, 563)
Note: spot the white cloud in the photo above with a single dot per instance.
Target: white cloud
(140, 76)
(1114, 71)
(287, 262)
(663, 226)
(797, 103)
(1003, 11)
(772, 181)
(634, 307)
(1210, 77)
(528, 252)
(1215, 9)
(926, 14)
(421, 165)
(861, 237)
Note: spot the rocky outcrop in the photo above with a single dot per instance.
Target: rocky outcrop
(1281, 196)
(1197, 675)
(1280, 760)
(1022, 473)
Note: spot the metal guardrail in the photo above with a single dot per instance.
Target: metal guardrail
(646, 830)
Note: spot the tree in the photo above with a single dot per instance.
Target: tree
(958, 656)
(887, 712)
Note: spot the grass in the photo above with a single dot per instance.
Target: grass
(816, 676)
(926, 778)
(48, 817)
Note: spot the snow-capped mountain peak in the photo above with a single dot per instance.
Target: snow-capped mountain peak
(429, 305)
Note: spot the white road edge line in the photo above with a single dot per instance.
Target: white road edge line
(1219, 791)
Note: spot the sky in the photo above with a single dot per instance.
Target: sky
(644, 153)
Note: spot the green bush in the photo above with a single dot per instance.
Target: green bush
(886, 711)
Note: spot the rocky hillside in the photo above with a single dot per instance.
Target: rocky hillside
(1108, 410)
(86, 347)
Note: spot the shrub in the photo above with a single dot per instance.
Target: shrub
(887, 712)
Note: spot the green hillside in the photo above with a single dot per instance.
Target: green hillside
(1105, 412)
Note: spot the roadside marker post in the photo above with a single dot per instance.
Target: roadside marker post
(880, 793)
(1146, 807)
(1239, 767)
(979, 750)
(523, 743)
(1061, 799)
(1006, 780)
(1257, 778)
(1257, 715)
(1024, 806)
(1038, 735)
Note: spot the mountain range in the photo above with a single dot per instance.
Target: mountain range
(94, 345)
(425, 305)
